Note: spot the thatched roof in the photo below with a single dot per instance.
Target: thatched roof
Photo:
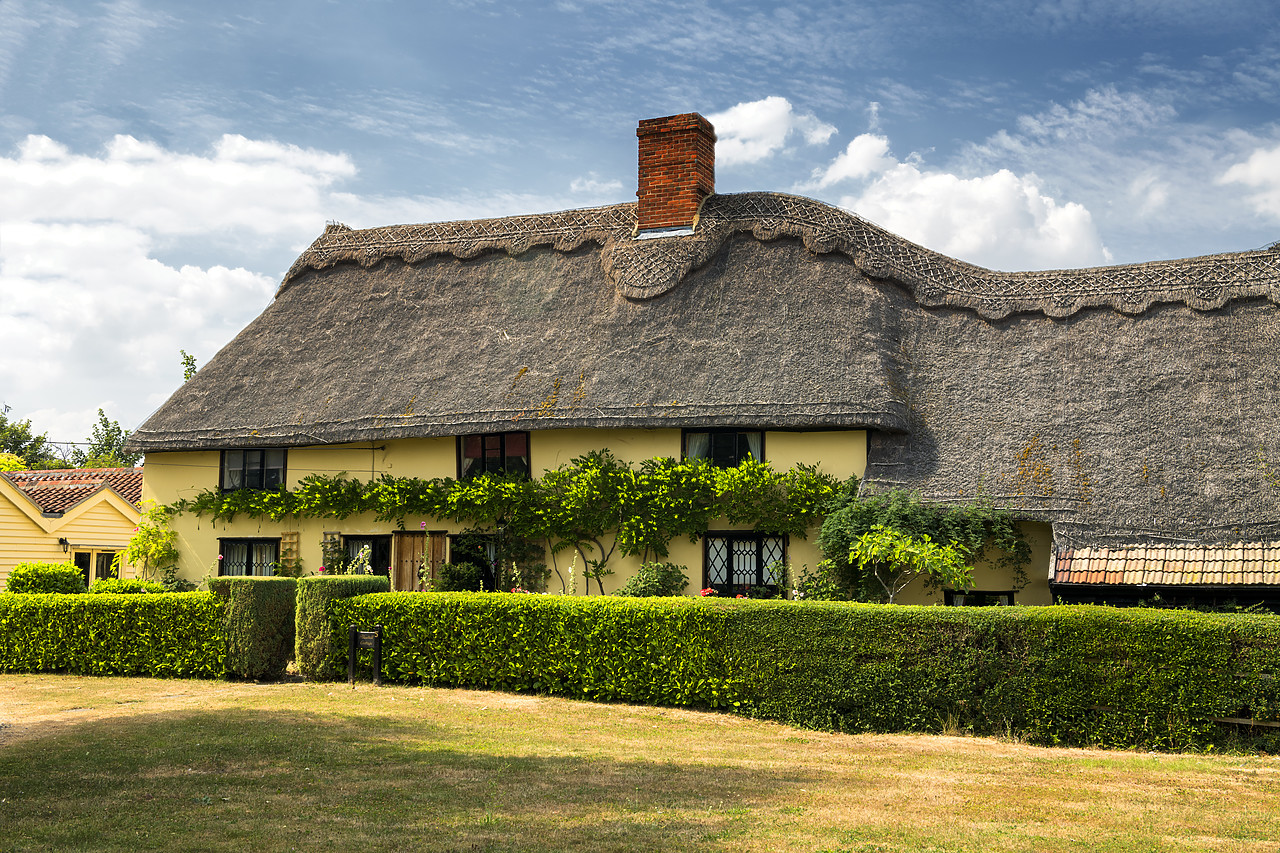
(1131, 400)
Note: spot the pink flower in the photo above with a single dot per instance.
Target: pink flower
(322, 570)
(219, 556)
(423, 525)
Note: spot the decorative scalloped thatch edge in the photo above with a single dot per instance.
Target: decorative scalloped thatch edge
(644, 269)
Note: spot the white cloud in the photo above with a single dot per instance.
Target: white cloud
(867, 154)
(751, 131)
(99, 286)
(594, 186)
(999, 220)
(1261, 172)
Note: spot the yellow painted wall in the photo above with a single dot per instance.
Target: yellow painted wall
(170, 476)
(97, 524)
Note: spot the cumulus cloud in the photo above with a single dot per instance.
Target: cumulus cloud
(1261, 172)
(999, 220)
(751, 131)
(112, 262)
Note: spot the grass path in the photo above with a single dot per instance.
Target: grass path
(140, 764)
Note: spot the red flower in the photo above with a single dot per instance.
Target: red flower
(710, 591)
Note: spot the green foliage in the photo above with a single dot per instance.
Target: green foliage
(594, 506)
(656, 651)
(977, 528)
(118, 586)
(36, 577)
(11, 462)
(820, 584)
(258, 624)
(106, 447)
(188, 365)
(16, 438)
(157, 635)
(460, 577)
(656, 579)
(895, 559)
(313, 641)
(1053, 675)
(154, 546)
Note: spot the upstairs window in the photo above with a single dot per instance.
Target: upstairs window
(725, 448)
(252, 469)
(495, 453)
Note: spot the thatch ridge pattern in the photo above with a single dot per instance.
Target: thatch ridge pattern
(643, 269)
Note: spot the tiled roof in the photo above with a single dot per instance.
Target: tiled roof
(60, 490)
(1243, 563)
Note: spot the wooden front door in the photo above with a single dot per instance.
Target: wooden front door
(413, 549)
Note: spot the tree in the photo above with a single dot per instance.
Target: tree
(16, 438)
(106, 447)
(896, 559)
(11, 462)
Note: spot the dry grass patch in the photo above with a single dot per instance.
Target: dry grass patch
(139, 764)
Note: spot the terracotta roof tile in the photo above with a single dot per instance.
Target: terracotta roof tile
(61, 489)
(1173, 565)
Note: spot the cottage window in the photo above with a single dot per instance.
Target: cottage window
(379, 552)
(726, 448)
(494, 453)
(479, 550)
(252, 469)
(93, 564)
(978, 598)
(736, 562)
(240, 557)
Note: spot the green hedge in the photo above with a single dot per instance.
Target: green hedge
(658, 651)
(125, 586)
(162, 635)
(45, 578)
(316, 596)
(1060, 675)
(258, 624)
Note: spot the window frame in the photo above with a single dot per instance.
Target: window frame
(249, 542)
(373, 540)
(502, 438)
(261, 469)
(721, 431)
(762, 579)
(987, 597)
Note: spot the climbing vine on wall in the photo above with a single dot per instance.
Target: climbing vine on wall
(595, 506)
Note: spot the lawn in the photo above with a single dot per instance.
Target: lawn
(142, 764)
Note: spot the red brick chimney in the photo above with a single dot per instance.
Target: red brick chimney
(677, 170)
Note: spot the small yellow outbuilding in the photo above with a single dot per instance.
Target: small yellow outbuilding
(78, 515)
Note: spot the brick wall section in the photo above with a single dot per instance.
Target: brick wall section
(677, 169)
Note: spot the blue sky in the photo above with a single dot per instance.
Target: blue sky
(162, 163)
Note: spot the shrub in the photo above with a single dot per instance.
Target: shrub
(315, 629)
(656, 579)
(258, 624)
(657, 651)
(157, 635)
(1054, 675)
(45, 577)
(119, 586)
(460, 577)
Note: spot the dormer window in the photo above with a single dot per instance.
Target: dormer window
(252, 469)
(725, 448)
